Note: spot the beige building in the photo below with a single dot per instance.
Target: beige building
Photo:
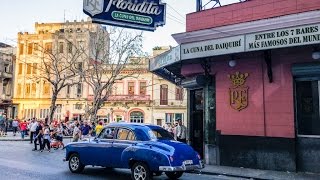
(144, 98)
(33, 96)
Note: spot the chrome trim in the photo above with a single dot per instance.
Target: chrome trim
(181, 168)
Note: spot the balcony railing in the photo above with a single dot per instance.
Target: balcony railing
(125, 98)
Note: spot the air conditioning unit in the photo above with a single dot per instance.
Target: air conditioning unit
(194, 82)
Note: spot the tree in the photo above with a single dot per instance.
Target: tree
(54, 67)
(111, 52)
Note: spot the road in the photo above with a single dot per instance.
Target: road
(17, 161)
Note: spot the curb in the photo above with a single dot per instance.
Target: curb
(225, 174)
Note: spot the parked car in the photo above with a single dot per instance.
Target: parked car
(145, 149)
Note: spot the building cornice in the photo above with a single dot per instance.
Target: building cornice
(287, 21)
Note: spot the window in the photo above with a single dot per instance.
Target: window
(33, 88)
(136, 117)
(131, 88)
(48, 47)
(160, 133)
(107, 133)
(78, 106)
(143, 88)
(80, 66)
(169, 117)
(307, 107)
(20, 68)
(178, 116)
(119, 118)
(69, 47)
(68, 91)
(79, 89)
(179, 94)
(35, 47)
(60, 47)
(57, 113)
(21, 48)
(44, 113)
(164, 94)
(27, 90)
(30, 48)
(30, 113)
(46, 88)
(34, 68)
(29, 68)
(125, 134)
(19, 90)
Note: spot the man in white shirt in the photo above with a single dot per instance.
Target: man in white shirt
(181, 131)
(32, 126)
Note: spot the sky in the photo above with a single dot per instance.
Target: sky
(21, 15)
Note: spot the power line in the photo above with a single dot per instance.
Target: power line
(175, 19)
(176, 11)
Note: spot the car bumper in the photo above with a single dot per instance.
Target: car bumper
(181, 168)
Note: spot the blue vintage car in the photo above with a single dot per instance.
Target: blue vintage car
(145, 149)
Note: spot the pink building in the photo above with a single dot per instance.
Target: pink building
(252, 71)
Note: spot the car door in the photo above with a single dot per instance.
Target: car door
(123, 139)
(103, 147)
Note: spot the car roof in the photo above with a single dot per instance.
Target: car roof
(134, 125)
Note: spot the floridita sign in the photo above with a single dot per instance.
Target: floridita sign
(136, 14)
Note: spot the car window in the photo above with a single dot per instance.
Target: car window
(107, 133)
(122, 134)
(125, 134)
(131, 136)
(160, 134)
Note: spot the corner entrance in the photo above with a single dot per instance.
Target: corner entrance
(197, 120)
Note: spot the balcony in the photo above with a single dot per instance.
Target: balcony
(6, 75)
(125, 98)
(5, 97)
(170, 103)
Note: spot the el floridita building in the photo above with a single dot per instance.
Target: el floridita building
(252, 71)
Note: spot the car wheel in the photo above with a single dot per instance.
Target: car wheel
(174, 175)
(140, 171)
(75, 165)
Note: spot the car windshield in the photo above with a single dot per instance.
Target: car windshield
(160, 134)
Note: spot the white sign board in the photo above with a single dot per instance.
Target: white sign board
(212, 47)
(297, 36)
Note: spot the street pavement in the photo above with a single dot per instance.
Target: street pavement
(17, 161)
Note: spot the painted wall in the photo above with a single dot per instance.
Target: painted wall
(247, 11)
(270, 110)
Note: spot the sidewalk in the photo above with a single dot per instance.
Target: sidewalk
(256, 173)
(10, 137)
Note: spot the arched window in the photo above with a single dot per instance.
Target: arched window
(136, 117)
(164, 94)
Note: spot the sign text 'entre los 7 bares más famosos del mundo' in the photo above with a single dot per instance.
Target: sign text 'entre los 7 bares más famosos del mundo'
(136, 14)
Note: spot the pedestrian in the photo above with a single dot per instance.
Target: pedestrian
(33, 126)
(76, 133)
(2, 126)
(6, 123)
(85, 130)
(99, 128)
(59, 134)
(15, 125)
(181, 131)
(38, 136)
(46, 138)
(93, 131)
(23, 128)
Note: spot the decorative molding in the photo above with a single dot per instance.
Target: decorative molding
(238, 92)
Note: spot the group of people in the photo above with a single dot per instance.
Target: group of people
(178, 130)
(15, 124)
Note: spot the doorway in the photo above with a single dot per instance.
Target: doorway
(197, 120)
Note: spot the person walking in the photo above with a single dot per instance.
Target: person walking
(76, 133)
(32, 127)
(85, 130)
(6, 124)
(181, 131)
(46, 138)
(99, 128)
(38, 136)
(23, 128)
(2, 126)
(15, 125)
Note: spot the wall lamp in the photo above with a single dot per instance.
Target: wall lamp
(232, 62)
(316, 55)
